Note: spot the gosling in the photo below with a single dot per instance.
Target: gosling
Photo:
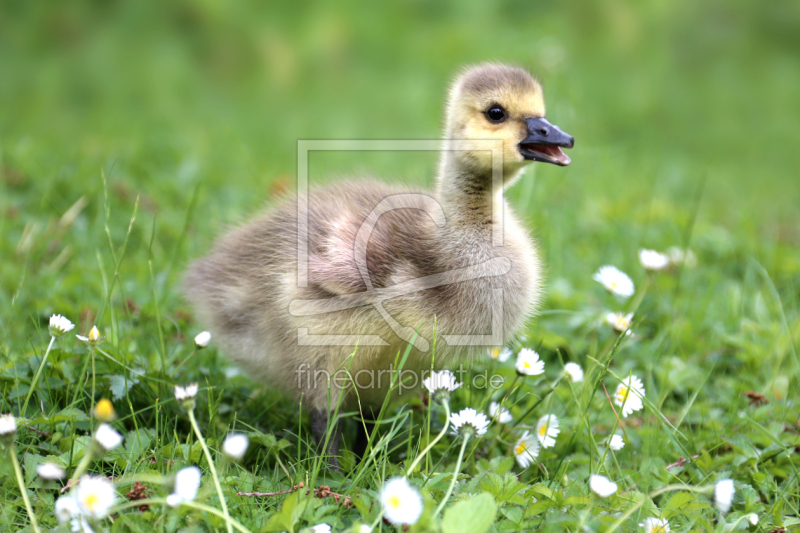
(288, 295)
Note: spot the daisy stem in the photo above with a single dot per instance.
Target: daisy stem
(213, 470)
(91, 402)
(22, 488)
(431, 444)
(82, 466)
(36, 377)
(456, 472)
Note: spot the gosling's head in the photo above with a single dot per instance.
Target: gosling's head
(491, 101)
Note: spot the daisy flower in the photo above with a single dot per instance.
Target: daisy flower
(615, 442)
(441, 381)
(60, 325)
(623, 397)
(501, 414)
(95, 496)
(620, 322)
(528, 363)
(547, 430)
(66, 509)
(235, 446)
(186, 393)
(574, 372)
(469, 422)
(94, 337)
(652, 260)
(50, 471)
(8, 425)
(679, 256)
(402, 503)
(202, 339)
(615, 281)
(500, 354)
(107, 437)
(364, 528)
(723, 495)
(655, 525)
(321, 528)
(752, 518)
(526, 449)
(187, 482)
(602, 486)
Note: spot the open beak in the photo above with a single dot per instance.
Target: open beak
(544, 143)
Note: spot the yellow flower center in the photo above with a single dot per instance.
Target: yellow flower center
(526, 365)
(659, 529)
(520, 449)
(543, 430)
(104, 410)
(622, 393)
(90, 502)
(394, 502)
(613, 284)
(495, 353)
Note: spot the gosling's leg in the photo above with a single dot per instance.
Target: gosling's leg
(320, 420)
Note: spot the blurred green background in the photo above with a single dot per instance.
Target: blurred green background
(685, 116)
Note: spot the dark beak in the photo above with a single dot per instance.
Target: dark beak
(544, 143)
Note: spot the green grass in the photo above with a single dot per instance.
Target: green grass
(133, 132)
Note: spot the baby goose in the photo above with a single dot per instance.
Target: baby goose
(288, 296)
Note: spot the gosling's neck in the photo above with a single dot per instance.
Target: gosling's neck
(466, 192)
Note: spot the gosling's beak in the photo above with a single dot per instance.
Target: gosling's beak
(544, 143)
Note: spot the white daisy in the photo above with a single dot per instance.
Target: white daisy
(526, 449)
(60, 325)
(547, 430)
(94, 337)
(321, 528)
(752, 518)
(500, 354)
(202, 339)
(655, 525)
(615, 281)
(187, 482)
(528, 363)
(469, 422)
(185, 393)
(629, 395)
(66, 509)
(620, 322)
(501, 414)
(8, 425)
(402, 503)
(615, 442)
(602, 486)
(652, 260)
(107, 437)
(679, 256)
(574, 371)
(235, 446)
(444, 380)
(723, 495)
(95, 496)
(50, 471)
(364, 528)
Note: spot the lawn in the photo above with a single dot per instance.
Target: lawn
(133, 133)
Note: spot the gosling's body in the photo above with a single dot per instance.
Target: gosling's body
(270, 320)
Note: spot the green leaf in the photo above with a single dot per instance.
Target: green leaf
(120, 385)
(475, 515)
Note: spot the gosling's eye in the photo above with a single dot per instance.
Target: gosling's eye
(496, 113)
